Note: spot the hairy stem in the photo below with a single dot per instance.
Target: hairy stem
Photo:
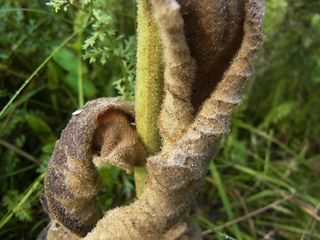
(149, 86)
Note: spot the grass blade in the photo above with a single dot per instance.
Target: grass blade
(224, 198)
(265, 177)
(37, 70)
(27, 194)
(264, 135)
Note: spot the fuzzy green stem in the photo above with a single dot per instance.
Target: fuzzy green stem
(149, 86)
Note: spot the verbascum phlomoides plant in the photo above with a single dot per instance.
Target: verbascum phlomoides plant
(208, 50)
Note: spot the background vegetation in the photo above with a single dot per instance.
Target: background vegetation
(265, 177)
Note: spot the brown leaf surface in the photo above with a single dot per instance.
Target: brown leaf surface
(209, 49)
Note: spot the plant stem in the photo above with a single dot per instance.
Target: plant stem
(149, 86)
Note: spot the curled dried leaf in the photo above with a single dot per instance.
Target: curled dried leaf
(209, 49)
(214, 32)
(177, 113)
(115, 141)
(100, 133)
(177, 172)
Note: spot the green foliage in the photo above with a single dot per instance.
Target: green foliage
(126, 84)
(25, 212)
(41, 128)
(104, 43)
(68, 61)
(47, 83)
(277, 113)
(272, 151)
(113, 194)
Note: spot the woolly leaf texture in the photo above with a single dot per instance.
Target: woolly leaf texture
(208, 50)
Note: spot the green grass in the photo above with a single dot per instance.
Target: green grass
(224, 198)
(265, 177)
